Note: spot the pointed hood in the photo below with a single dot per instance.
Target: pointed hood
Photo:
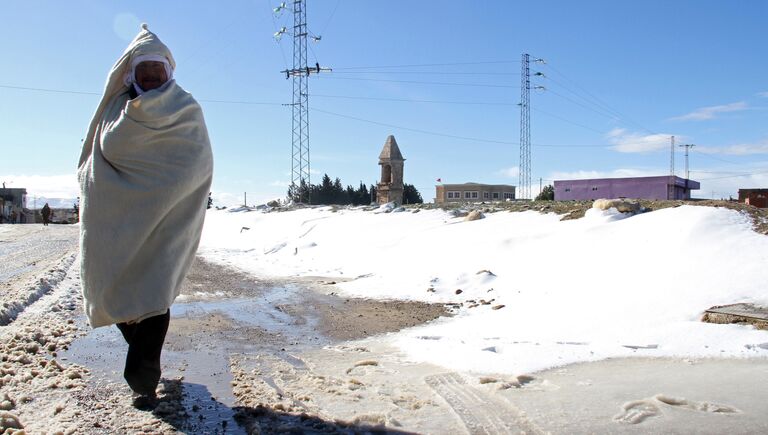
(391, 151)
(144, 43)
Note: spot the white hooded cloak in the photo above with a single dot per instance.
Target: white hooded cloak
(145, 173)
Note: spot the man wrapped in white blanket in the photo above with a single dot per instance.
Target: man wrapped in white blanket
(145, 173)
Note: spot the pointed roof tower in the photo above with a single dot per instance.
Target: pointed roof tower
(391, 151)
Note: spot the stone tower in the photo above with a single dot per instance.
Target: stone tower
(390, 188)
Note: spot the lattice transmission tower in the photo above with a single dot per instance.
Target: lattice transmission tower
(300, 164)
(524, 188)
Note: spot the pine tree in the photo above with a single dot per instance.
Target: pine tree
(338, 196)
(411, 195)
(362, 197)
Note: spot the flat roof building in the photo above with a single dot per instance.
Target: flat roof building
(756, 197)
(663, 187)
(473, 192)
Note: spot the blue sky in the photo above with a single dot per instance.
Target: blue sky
(442, 76)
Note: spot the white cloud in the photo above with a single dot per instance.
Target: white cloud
(628, 142)
(705, 113)
(49, 186)
(513, 172)
(763, 94)
(279, 183)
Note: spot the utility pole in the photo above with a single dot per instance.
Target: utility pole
(300, 104)
(687, 172)
(687, 147)
(540, 187)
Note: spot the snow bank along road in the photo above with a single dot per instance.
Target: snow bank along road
(277, 357)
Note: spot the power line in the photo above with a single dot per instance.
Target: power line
(322, 32)
(466, 73)
(715, 158)
(408, 100)
(567, 120)
(605, 105)
(208, 40)
(423, 82)
(734, 176)
(608, 115)
(429, 64)
(433, 133)
(63, 91)
(58, 91)
(250, 103)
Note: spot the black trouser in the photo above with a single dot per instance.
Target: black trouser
(145, 343)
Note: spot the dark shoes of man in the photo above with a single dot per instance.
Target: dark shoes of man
(145, 402)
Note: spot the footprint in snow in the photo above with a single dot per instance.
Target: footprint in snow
(638, 411)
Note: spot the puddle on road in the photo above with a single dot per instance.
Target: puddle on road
(202, 335)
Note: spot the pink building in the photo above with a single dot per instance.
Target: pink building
(663, 187)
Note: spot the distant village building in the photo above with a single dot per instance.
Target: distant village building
(13, 204)
(663, 187)
(390, 188)
(473, 192)
(756, 197)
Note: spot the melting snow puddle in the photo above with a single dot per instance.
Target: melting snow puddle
(198, 348)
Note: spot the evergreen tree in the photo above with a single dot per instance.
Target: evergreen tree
(325, 194)
(362, 197)
(339, 196)
(547, 194)
(411, 195)
(373, 198)
(351, 195)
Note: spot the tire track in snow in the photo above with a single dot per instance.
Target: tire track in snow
(481, 413)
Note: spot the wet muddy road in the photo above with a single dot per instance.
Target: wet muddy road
(222, 313)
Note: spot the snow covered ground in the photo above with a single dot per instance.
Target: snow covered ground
(535, 292)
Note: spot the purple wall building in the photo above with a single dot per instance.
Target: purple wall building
(663, 187)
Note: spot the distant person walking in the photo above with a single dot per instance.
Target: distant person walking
(46, 213)
(13, 216)
(145, 172)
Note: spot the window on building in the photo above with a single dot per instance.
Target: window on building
(454, 195)
(495, 195)
(567, 189)
(449, 195)
(594, 187)
(509, 195)
(486, 195)
(474, 195)
(467, 195)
